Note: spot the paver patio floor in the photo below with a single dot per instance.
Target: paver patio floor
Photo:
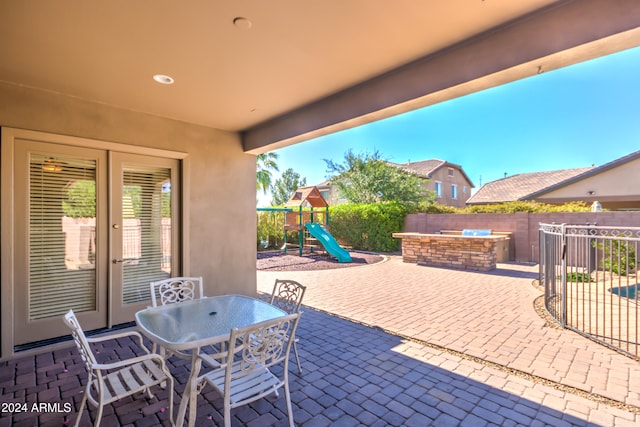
(489, 316)
(429, 371)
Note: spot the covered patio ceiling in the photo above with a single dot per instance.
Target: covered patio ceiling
(284, 72)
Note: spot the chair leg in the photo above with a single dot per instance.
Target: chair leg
(227, 416)
(287, 397)
(155, 348)
(82, 405)
(149, 394)
(295, 352)
(99, 415)
(171, 386)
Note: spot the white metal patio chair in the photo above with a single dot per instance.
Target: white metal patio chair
(108, 382)
(176, 289)
(245, 376)
(287, 295)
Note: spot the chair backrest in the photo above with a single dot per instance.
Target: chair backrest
(287, 295)
(176, 289)
(81, 341)
(257, 347)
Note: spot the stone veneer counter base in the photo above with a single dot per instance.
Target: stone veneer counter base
(461, 252)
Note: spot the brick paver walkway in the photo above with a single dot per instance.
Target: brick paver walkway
(460, 348)
(489, 316)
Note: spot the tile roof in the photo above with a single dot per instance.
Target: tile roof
(590, 172)
(518, 187)
(424, 168)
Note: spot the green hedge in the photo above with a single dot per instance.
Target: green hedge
(506, 207)
(526, 206)
(368, 227)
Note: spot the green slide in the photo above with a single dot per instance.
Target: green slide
(328, 241)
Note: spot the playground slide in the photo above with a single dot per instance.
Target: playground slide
(328, 241)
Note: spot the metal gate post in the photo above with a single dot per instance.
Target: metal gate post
(564, 275)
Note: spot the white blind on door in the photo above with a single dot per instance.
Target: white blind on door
(62, 236)
(146, 231)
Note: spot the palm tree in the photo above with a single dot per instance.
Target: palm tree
(265, 163)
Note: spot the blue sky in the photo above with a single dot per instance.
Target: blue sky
(588, 113)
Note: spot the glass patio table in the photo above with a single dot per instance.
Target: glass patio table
(191, 325)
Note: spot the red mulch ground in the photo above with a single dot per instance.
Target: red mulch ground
(278, 261)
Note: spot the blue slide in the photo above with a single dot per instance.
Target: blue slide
(328, 241)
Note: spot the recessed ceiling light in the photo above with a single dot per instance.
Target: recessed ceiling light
(163, 79)
(242, 23)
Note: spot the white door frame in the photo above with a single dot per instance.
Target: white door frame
(9, 138)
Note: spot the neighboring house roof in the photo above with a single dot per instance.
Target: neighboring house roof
(588, 173)
(426, 168)
(531, 186)
(522, 186)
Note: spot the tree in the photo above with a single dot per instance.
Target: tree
(265, 163)
(368, 178)
(285, 186)
(81, 199)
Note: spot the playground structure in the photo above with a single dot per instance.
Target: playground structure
(306, 214)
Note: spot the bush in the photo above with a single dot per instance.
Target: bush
(617, 255)
(522, 206)
(270, 230)
(434, 208)
(368, 227)
(578, 277)
(506, 207)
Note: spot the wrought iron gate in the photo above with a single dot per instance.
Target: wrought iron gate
(591, 281)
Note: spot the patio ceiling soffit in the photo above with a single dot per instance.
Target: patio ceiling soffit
(563, 35)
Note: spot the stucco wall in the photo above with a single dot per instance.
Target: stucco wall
(464, 186)
(523, 225)
(220, 183)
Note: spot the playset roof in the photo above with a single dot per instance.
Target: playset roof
(310, 195)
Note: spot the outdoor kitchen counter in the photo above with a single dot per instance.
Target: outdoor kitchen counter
(453, 251)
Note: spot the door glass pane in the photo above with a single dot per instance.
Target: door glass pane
(146, 229)
(62, 235)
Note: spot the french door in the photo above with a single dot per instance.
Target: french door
(142, 229)
(92, 229)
